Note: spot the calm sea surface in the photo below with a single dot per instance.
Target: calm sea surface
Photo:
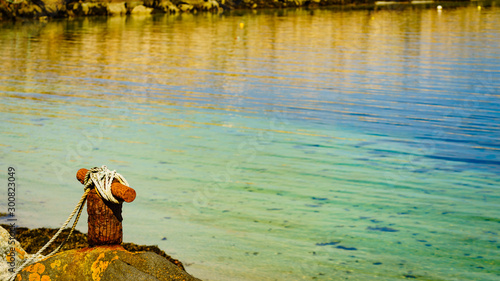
(278, 145)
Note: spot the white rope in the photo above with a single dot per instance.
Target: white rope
(38, 256)
(102, 179)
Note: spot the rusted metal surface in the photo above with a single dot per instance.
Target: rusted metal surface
(105, 218)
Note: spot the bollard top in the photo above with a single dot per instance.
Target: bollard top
(119, 191)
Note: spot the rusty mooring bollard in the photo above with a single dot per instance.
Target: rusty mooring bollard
(105, 218)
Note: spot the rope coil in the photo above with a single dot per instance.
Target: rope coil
(101, 178)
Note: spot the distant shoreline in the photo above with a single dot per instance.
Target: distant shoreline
(26, 10)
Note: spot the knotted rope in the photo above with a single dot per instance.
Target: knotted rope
(101, 178)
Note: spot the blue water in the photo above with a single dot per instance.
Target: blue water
(271, 145)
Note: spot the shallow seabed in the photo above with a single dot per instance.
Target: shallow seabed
(285, 145)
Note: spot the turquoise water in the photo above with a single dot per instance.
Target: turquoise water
(286, 145)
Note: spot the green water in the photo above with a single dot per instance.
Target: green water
(287, 145)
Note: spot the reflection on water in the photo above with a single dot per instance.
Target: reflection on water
(302, 144)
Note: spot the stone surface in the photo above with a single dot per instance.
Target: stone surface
(7, 247)
(104, 263)
(86, 8)
(55, 8)
(130, 6)
(141, 10)
(33, 240)
(209, 5)
(116, 9)
(167, 7)
(184, 7)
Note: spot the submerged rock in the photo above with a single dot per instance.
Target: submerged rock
(104, 263)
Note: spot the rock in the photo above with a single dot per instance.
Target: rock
(27, 9)
(184, 7)
(55, 8)
(70, 8)
(168, 7)
(116, 9)
(200, 5)
(86, 9)
(33, 240)
(209, 5)
(132, 4)
(104, 263)
(6, 251)
(141, 10)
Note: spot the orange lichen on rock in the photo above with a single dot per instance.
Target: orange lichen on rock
(40, 268)
(36, 268)
(34, 277)
(56, 263)
(104, 263)
(98, 267)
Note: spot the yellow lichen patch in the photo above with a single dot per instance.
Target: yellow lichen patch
(19, 277)
(56, 263)
(34, 277)
(36, 268)
(98, 267)
(45, 278)
(39, 268)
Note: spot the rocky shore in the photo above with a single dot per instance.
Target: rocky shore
(44, 9)
(76, 256)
